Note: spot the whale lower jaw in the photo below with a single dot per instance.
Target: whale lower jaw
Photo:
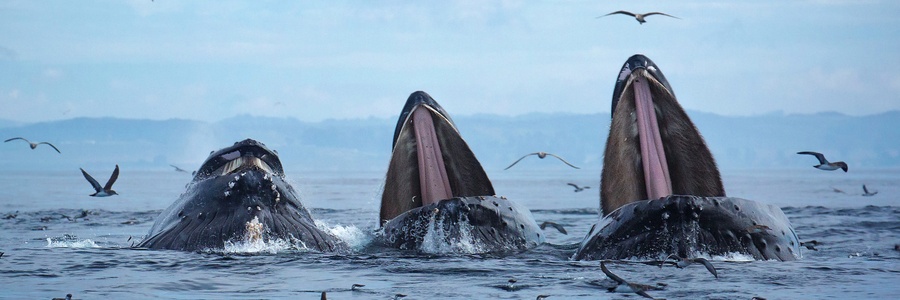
(689, 226)
(469, 225)
(214, 230)
(248, 207)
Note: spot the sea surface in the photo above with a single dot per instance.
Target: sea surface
(57, 240)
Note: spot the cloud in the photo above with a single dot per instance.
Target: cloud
(52, 73)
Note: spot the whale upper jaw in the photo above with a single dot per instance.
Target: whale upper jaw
(430, 161)
(244, 154)
(653, 149)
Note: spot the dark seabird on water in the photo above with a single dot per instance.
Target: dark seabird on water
(540, 155)
(638, 17)
(356, 286)
(104, 191)
(867, 193)
(558, 227)
(578, 188)
(399, 296)
(542, 297)
(824, 164)
(682, 263)
(33, 145)
(68, 297)
(625, 286)
(811, 245)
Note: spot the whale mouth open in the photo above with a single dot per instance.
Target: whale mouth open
(242, 155)
(660, 189)
(653, 149)
(437, 197)
(430, 161)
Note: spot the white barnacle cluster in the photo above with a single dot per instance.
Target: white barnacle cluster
(253, 232)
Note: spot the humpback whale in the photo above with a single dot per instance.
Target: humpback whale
(239, 194)
(436, 190)
(660, 188)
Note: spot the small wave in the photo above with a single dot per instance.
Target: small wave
(51, 243)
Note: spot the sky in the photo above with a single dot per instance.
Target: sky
(318, 60)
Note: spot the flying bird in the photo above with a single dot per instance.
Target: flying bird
(558, 227)
(33, 145)
(177, 169)
(540, 155)
(578, 188)
(106, 190)
(625, 286)
(638, 17)
(682, 263)
(867, 193)
(824, 164)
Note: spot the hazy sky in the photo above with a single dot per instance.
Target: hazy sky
(315, 60)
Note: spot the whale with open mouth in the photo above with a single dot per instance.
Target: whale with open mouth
(660, 189)
(437, 193)
(239, 194)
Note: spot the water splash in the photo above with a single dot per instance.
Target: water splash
(351, 235)
(257, 246)
(51, 243)
(441, 239)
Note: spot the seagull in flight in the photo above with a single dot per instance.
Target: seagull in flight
(638, 17)
(33, 145)
(867, 193)
(541, 155)
(578, 188)
(824, 164)
(681, 263)
(104, 191)
(177, 169)
(625, 286)
(558, 227)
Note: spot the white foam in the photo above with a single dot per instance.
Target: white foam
(259, 246)
(71, 244)
(351, 235)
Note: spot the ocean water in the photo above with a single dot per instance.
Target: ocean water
(56, 240)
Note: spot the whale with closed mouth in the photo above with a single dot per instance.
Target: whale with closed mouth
(239, 194)
(660, 190)
(436, 191)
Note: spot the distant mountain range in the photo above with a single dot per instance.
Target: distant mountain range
(766, 141)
